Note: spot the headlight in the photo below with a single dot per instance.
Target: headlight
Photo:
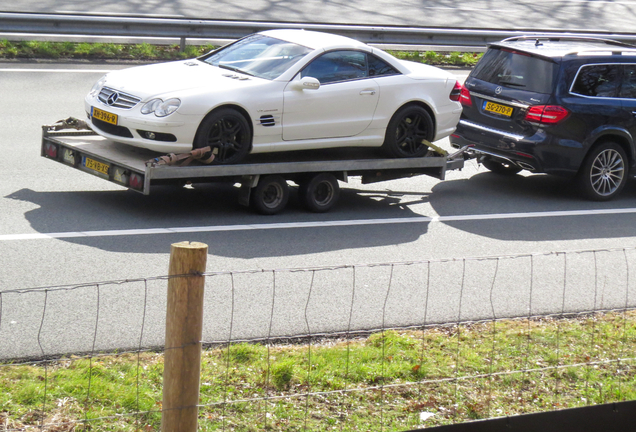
(98, 86)
(161, 108)
(151, 106)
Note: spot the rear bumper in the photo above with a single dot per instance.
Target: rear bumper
(539, 153)
(497, 144)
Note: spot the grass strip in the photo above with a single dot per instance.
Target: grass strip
(147, 52)
(391, 381)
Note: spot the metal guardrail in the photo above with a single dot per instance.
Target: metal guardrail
(183, 28)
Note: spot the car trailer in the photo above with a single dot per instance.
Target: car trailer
(263, 177)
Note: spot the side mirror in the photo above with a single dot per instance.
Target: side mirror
(306, 83)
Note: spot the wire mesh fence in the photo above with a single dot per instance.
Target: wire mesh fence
(390, 346)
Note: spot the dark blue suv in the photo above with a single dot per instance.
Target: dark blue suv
(564, 106)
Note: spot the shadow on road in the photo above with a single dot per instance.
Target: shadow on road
(488, 193)
(216, 205)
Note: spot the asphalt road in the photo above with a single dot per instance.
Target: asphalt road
(471, 214)
(589, 15)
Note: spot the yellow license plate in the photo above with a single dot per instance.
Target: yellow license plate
(498, 109)
(104, 116)
(100, 167)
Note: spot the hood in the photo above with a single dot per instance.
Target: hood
(175, 77)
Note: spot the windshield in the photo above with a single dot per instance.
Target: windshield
(258, 55)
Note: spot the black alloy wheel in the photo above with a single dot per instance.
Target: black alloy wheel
(228, 134)
(407, 132)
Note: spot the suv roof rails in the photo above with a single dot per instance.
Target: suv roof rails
(551, 38)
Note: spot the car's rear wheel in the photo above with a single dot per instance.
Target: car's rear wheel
(409, 127)
(319, 193)
(499, 166)
(604, 172)
(270, 195)
(228, 134)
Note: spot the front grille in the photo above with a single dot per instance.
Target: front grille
(117, 99)
(112, 129)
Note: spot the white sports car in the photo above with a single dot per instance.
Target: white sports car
(278, 90)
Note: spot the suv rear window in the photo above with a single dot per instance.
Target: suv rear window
(513, 69)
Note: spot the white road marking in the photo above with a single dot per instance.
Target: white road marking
(317, 224)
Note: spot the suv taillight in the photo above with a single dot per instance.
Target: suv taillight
(457, 90)
(464, 97)
(546, 114)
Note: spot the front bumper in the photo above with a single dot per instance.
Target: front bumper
(144, 131)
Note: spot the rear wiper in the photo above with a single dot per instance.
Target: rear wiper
(509, 83)
(234, 69)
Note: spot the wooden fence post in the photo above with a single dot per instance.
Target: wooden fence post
(184, 325)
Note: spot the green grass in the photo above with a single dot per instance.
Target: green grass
(97, 51)
(148, 52)
(383, 381)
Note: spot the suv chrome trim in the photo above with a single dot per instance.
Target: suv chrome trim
(568, 38)
(502, 101)
(494, 131)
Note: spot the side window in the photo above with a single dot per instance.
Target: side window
(337, 66)
(628, 86)
(378, 67)
(597, 80)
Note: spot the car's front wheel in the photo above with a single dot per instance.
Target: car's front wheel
(228, 134)
(407, 132)
(604, 172)
(499, 166)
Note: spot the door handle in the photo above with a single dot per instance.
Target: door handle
(367, 92)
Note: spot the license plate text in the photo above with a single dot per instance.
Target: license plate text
(104, 116)
(100, 167)
(498, 109)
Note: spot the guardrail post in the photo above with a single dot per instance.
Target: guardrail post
(182, 44)
(184, 325)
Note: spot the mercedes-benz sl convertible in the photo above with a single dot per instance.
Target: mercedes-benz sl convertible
(278, 90)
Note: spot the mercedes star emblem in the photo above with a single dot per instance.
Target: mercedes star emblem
(112, 98)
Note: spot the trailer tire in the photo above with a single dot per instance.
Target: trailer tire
(270, 195)
(228, 133)
(319, 193)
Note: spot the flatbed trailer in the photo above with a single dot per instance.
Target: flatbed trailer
(263, 177)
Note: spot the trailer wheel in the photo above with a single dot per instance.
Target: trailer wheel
(228, 133)
(319, 193)
(408, 128)
(270, 195)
